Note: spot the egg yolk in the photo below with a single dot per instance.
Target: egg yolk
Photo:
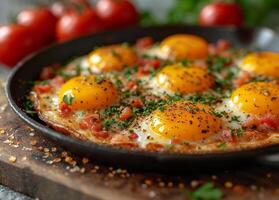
(111, 58)
(88, 92)
(262, 63)
(257, 98)
(183, 46)
(184, 120)
(182, 79)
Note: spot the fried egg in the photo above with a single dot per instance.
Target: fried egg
(257, 98)
(87, 92)
(111, 58)
(262, 63)
(182, 121)
(184, 46)
(181, 79)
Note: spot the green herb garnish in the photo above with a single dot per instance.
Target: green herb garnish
(68, 99)
(205, 192)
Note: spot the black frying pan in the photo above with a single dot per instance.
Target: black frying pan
(29, 70)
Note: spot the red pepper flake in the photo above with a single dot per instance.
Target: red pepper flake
(65, 109)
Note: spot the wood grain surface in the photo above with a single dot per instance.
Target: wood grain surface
(38, 167)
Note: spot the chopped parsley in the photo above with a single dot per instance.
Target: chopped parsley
(68, 99)
(28, 106)
(204, 99)
(111, 110)
(108, 122)
(222, 145)
(129, 71)
(216, 63)
(235, 118)
(205, 192)
(45, 82)
(185, 62)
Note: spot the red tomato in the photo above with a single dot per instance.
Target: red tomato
(16, 42)
(117, 13)
(41, 21)
(75, 24)
(221, 13)
(59, 9)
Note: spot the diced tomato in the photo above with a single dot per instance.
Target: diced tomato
(266, 123)
(100, 134)
(125, 114)
(136, 102)
(144, 42)
(42, 88)
(83, 125)
(132, 85)
(142, 71)
(47, 73)
(270, 121)
(90, 120)
(133, 136)
(65, 110)
(97, 127)
(243, 78)
(57, 81)
(223, 45)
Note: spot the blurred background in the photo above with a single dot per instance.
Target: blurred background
(257, 12)
(50, 21)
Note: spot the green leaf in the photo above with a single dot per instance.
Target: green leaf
(68, 99)
(206, 192)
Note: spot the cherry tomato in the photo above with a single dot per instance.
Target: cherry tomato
(74, 24)
(16, 42)
(117, 13)
(41, 21)
(61, 8)
(221, 13)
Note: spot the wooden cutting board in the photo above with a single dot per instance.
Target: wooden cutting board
(38, 167)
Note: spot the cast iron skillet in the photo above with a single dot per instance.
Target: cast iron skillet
(29, 69)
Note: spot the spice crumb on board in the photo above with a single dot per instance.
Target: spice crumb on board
(2, 131)
(228, 184)
(12, 159)
(268, 175)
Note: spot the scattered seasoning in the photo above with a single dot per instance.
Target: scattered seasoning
(228, 184)
(34, 142)
(12, 159)
(85, 160)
